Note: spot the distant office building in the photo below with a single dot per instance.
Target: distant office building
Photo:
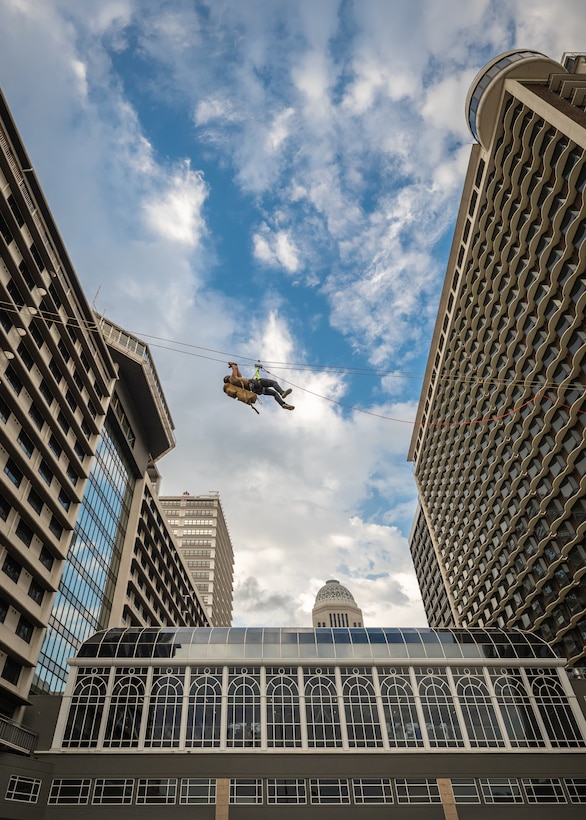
(200, 531)
(282, 722)
(335, 606)
(498, 447)
(83, 544)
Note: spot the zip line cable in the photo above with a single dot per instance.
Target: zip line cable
(335, 369)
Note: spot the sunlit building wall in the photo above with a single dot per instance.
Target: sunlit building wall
(56, 379)
(498, 447)
(200, 530)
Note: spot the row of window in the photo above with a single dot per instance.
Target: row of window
(299, 791)
(317, 708)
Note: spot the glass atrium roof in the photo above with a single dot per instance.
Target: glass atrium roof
(263, 643)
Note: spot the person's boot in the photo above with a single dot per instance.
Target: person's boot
(287, 407)
(286, 393)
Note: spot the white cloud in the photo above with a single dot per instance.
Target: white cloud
(175, 210)
(276, 249)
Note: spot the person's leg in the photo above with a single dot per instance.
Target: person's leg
(268, 391)
(270, 383)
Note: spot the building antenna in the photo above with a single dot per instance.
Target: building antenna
(95, 297)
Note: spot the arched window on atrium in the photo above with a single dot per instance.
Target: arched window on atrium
(362, 720)
(556, 713)
(441, 721)
(244, 726)
(126, 705)
(283, 717)
(204, 710)
(478, 710)
(164, 712)
(515, 706)
(322, 712)
(400, 712)
(86, 711)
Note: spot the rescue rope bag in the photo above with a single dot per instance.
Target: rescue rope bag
(241, 394)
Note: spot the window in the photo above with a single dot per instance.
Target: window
(37, 418)
(69, 791)
(479, 715)
(372, 790)
(55, 528)
(164, 716)
(286, 791)
(116, 791)
(361, 712)
(23, 789)
(86, 711)
(204, 710)
(11, 568)
(24, 629)
(63, 423)
(26, 444)
(410, 790)
(197, 790)
(64, 500)
(399, 709)
(46, 558)
(500, 790)
(4, 411)
(24, 532)
(11, 671)
(12, 379)
(334, 790)
(45, 472)
(3, 610)
(35, 500)
(283, 717)
(546, 790)
(15, 210)
(246, 791)
(36, 592)
(322, 713)
(465, 790)
(13, 473)
(576, 787)
(45, 392)
(25, 356)
(153, 790)
(243, 711)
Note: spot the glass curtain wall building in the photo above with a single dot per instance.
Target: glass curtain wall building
(83, 601)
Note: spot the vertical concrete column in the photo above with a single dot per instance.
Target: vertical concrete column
(222, 798)
(444, 785)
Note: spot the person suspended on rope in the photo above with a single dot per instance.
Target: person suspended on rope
(259, 385)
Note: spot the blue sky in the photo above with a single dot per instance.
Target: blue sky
(274, 180)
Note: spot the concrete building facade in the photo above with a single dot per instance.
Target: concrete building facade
(83, 542)
(201, 533)
(498, 447)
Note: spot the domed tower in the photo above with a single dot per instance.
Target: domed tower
(335, 606)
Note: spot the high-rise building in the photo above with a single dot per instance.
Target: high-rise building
(123, 567)
(498, 447)
(201, 533)
(335, 606)
(83, 543)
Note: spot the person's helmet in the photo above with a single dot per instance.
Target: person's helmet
(226, 379)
